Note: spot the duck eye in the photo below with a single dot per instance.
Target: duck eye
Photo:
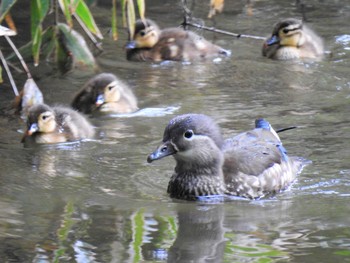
(142, 33)
(110, 88)
(44, 117)
(285, 30)
(188, 134)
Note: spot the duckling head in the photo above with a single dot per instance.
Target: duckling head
(41, 118)
(194, 140)
(146, 35)
(106, 89)
(287, 33)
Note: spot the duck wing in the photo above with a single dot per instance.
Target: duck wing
(256, 163)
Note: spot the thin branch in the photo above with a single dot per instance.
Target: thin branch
(213, 29)
(8, 72)
(24, 65)
(97, 44)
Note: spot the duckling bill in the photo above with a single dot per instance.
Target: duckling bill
(150, 43)
(252, 164)
(57, 124)
(105, 93)
(292, 39)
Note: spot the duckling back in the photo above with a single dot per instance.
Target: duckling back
(169, 44)
(73, 124)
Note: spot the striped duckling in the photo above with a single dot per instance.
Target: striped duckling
(56, 124)
(291, 39)
(105, 93)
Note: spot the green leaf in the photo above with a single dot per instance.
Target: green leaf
(48, 43)
(5, 7)
(85, 15)
(39, 10)
(73, 51)
(123, 4)
(114, 20)
(64, 4)
(36, 45)
(141, 7)
(130, 10)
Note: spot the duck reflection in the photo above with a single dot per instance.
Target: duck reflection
(200, 236)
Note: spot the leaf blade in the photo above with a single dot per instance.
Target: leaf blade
(82, 10)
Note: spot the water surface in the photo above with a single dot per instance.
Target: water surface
(99, 200)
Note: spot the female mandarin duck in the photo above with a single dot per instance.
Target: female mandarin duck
(152, 44)
(105, 93)
(291, 39)
(251, 164)
(56, 124)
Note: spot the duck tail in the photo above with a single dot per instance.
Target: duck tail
(262, 123)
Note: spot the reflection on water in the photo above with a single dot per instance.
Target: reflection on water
(99, 200)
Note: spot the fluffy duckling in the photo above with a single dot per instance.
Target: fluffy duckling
(105, 93)
(56, 124)
(152, 44)
(252, 164)
(291, 39)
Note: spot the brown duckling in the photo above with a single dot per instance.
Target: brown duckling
(47, 124)
(252, 164)
(105, 93)
(291, 39)
(152, 44)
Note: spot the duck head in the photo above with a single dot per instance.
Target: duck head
(194, 140)
(41, 118)
(146, 35)
(287, 33)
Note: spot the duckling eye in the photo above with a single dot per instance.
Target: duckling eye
(188, 134)
(44, 117)
(285, 30)
(142, 33)
(110, 88)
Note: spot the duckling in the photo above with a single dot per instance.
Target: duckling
(291, 39)
(152, 44)
(57, 124)
(252, 164)
(105, 93)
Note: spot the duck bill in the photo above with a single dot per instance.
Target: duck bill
(32, 129)
(100, 100)
(162, 151)
(273, 40)
(131, 45)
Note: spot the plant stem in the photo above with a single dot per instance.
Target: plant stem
(8, 72)
(24, 65)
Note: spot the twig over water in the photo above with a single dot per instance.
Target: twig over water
(213, 29)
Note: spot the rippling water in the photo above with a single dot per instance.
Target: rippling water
(99, 200)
